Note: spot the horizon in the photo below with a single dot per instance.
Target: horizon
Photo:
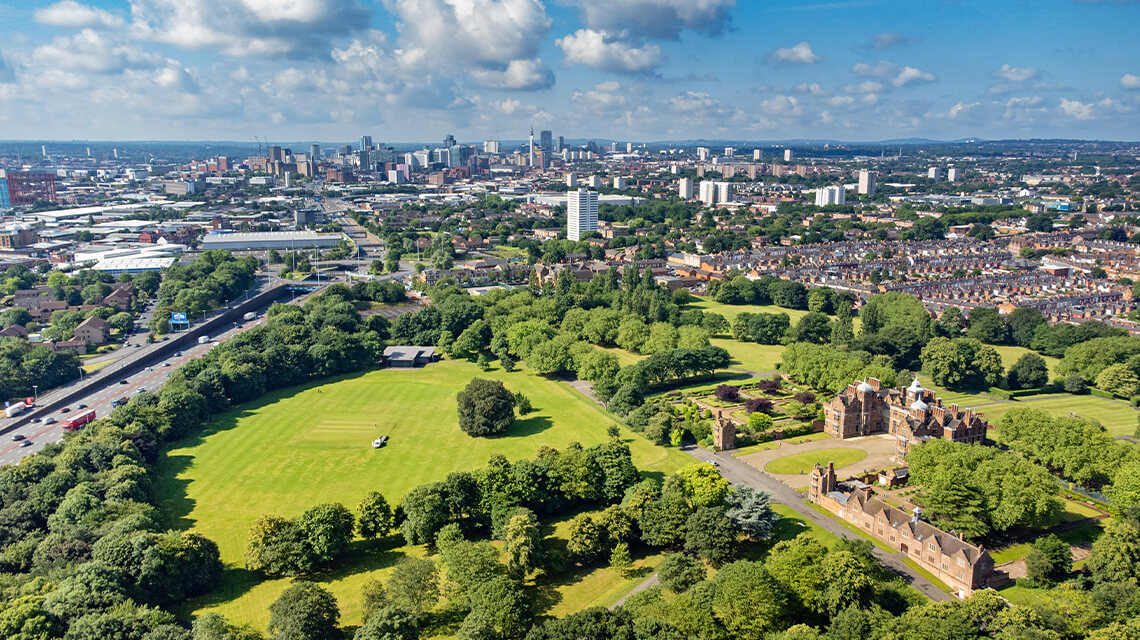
(881, 70)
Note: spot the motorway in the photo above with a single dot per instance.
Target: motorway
(100, 398)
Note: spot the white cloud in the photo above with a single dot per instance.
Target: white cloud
(781, 105)
(960, 108)
(519, 74)
(810, 88)
(1130, 81)
(656, 19)
(69, 13)
(497, 40)
(867, 86)
(1077, 110)
(1015, 74)
(294, 28)
(881, 69)
(90, 51)
(841, 101)
(911, 75)
(1092, 110)
(606, 52)
(799, 54)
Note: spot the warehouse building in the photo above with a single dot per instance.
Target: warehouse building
(265, 240)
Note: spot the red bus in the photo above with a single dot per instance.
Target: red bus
(78, 421)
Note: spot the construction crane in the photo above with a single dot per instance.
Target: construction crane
(258, 145)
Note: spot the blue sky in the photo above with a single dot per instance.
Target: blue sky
(640, 70)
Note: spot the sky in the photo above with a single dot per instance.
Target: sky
(633, 70)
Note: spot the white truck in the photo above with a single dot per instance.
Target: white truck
(203, 339)
(251, 315)
(14, 410)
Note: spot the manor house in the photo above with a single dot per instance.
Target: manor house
(960, 565)
(913, 415)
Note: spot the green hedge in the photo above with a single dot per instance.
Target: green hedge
(1100, 393)
(1135, 400)
(1000, 394)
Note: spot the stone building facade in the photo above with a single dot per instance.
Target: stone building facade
(913, 415)
(960, 565)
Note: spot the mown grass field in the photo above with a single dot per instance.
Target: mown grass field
(801, 462)
(300, 447)
(1118, 417)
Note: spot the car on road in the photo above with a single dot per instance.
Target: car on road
(124, 381)
(148, 369)
(177, 354)
(35, 419)
(26, 443)
(16, 437)
(82, 406)
(140, 390)
(166, 364)
(712, 462)
(65, 410)
(49, 420)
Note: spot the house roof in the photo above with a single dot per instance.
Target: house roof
(94, 322)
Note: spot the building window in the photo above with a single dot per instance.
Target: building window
(961, 562)
(945, 567)
(932, 547)
(906, 534)
(960, 575)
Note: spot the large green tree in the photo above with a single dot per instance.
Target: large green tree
(486, 408)
(304, 611)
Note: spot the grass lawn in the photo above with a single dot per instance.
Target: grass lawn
(792, 524)
(926, 574)
(750, 355)
(801, 462)
(1023, 596)
(1117, 417)
(1011, 553)
(961, 398)
(1011, 354)
(299, 447)
(763, 446)
(625, 358)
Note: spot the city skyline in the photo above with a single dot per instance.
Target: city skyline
(642, 70)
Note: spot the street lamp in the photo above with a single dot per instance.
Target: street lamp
(36, 392)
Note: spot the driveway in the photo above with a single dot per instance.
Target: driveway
(880, 450)
(737, 472)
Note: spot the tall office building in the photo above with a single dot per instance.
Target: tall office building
(830, 195)
(581, 213)
(629, 147)
(546, 141)
(449, 141)
(788, 155)
(490, 146)
(561, 144)
(708, 193)
(365, 143)
(757, 154)
(952, 174)
(934, 173)
(314, 152)
(685, 188)
(723, 192)
(866, 182)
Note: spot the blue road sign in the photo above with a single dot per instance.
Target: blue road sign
(178, 318)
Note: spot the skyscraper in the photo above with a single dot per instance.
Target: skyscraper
(572, 180)
(561, 144)
(757, 154)
(314, 152)
(866, 182)
(788, 155)
(685, 188)
(490, 146)
(723, 192)
(365, 143)
(952, 174)
(830, 195)
(530, 148)
(729, 152)
(581, 213)
(619, 183)
(934, 173)
(702, 154)
(448, 141)
(708, 193)
(546, 140)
